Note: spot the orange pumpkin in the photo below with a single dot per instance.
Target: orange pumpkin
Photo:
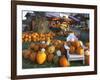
(41, 57)
(43, 46)
(80, 50)
(26, 39)
(50, 57)
(32, 57)
(26, 35)
(63, 62)
(78, 44)
(32, 45)
(36, 47)
(29, 36)
(29, 40)
(72, 49)
(26, 53)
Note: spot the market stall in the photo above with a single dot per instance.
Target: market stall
(44, 41)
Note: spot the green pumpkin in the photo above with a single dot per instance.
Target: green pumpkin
(55, 59)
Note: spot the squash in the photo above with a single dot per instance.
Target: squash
(31, 46)
(72, 49)
(29, 40)
(26, 35)
(78, 44)
(80, 50)
(50, 57)
(43, 46)
(26, 39)
(58, 47)
(26, 53)
(63, 62)
(32, 56)
(51, 49)
(41, 57)
(36, 48)
(55, 59)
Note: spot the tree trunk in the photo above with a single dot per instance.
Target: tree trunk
(41, 24)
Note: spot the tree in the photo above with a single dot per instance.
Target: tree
(41, 23)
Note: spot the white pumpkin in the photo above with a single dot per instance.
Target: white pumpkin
(58, 53)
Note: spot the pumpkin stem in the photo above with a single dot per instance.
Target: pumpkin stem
(43, 50)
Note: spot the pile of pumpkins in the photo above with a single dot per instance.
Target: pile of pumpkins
(76, 47)
(40, 55)
(36, 37)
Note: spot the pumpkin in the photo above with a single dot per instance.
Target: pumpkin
(29, 36)
(32, 57)
(26, 35)
(43, 46)
(58, 52)
(63, 62)
(51, 49)
(32, 45)
(87, 44)
(37, 39)
(80, 50)
(41, 57)
(29, 40)
(59, 41)
(55, 59)
(58, 47)
(36, 48)
(55, 42)
(78, 44)
(50, 57)
(26, 53)
(87, 57)
(72, 49)
(26, 39)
